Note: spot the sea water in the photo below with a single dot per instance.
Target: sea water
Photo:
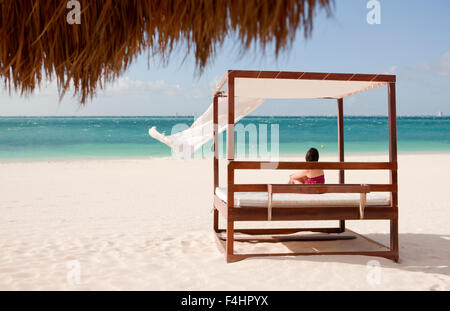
(41, 138)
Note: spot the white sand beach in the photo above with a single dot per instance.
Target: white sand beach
(147, 225)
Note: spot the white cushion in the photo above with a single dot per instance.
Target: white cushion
(260, 199)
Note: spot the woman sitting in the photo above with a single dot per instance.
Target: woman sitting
(309, 176)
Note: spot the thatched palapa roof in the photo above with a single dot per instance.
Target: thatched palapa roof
(37, 43)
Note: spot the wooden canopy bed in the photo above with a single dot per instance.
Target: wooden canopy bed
(233, 206)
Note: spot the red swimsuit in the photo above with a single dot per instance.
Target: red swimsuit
(315, 180)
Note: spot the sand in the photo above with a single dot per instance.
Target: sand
(147, 225)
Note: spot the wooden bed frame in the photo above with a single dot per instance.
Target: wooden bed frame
(340, 213)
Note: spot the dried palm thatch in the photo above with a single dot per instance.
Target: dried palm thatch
(37, 42)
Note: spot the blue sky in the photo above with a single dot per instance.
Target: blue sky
(412, 41)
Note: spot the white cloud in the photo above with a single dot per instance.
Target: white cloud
(420, 68)
(125, 96)
(127, 85)
(440, 67)
(214, 82)
(392, 70)
(48, 88)
(123, 86)
(444, 65)
(436, 67)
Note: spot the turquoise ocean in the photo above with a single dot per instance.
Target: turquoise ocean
(47, 138)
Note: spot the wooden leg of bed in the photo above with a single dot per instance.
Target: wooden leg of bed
(230, 241)
(342, 225)
(394, 239)
(216, 220)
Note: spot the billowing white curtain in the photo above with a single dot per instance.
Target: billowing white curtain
(185, 143)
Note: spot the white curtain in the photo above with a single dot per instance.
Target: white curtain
(185, 143)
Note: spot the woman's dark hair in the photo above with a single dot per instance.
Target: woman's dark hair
(312, 155)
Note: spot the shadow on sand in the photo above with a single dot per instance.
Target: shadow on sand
(427, 253)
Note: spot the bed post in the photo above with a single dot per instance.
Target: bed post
(216, 155)
(340, 110)
(393, 173)
(230, 157)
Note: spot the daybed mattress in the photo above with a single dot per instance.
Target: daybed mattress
(260, 199)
